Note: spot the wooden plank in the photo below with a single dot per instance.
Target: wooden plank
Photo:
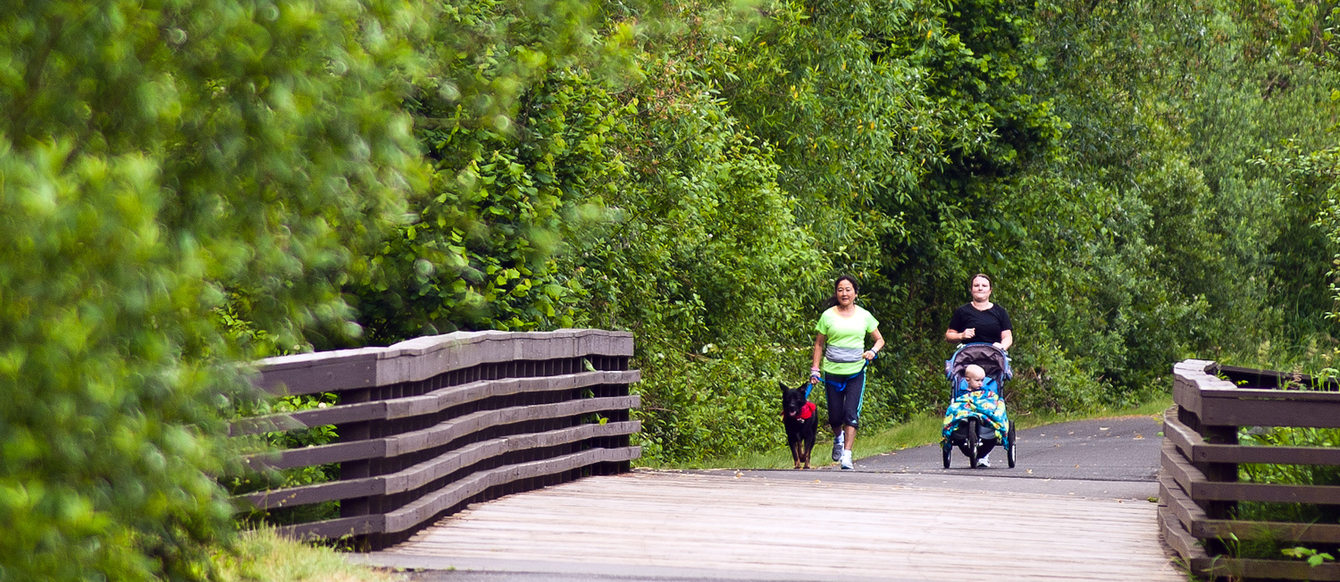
(1218, 402)
(1190, 378)
(582, 495)
(1177, 538)
(1269, 530)
(1268, 455)
(1266, 492)
(425, 357)
(1201, 489)
(743, 552)
(284, 498)
(1038, 510)
(422, 358)
(430, 403)
(442, 399)
(317, 455)
(429, 505)
(1271, 379)
(1180, 435)
(779, 529)
(1227, 391)
(446, 432)
(440, 466)
(1239, 569)
(1186, 394)
(1179, 504)
(437, 435)
(331, 371)
(1197, 524)
(1173, 465)
(620, 516)
(338, 414)
(335, 528)
(1195, 448)
(1271, 408)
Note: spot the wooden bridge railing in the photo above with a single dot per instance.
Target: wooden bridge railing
(1199, 489)
(429, 425)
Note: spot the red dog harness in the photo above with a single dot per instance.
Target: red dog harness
(805, 411)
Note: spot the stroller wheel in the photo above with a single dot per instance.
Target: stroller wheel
(947, 448)
(974, 441)
(1009, 451)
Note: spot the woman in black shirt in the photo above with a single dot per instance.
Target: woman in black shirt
(981, 321)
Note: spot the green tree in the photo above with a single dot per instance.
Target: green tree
(706, 262)
(156, 159)
(513, 113)
(697, 172)
(1198, 249)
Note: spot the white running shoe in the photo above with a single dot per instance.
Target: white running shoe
(837, 446)
(984, 461)
(846, 460)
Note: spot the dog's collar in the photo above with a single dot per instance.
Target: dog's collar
(806, 412)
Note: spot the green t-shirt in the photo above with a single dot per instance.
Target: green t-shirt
(845, 334)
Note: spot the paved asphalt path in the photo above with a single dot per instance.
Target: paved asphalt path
(1106, 458)
(1113, 458)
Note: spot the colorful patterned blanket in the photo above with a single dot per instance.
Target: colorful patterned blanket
(982, 403)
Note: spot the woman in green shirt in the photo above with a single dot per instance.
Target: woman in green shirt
(840, 354)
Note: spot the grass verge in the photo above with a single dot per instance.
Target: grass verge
(917, 431)
(266, 556)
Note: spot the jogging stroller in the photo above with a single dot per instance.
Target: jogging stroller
(976, 421)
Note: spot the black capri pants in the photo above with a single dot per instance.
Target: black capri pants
(844, 398)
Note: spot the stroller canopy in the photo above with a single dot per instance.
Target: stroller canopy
(989, 357)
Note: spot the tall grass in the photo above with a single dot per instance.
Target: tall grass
(262, 555)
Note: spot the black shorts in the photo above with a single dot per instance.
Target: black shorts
(844, 398)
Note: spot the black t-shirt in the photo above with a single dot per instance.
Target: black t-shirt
(989, 324)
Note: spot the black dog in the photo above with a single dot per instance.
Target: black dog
(801, 423)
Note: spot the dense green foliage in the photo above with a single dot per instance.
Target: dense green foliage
(186, 184)
(161, 164)
(1142, 179)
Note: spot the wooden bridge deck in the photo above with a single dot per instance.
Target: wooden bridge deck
(724, 527)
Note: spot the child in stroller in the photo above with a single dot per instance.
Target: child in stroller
(976, 421)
